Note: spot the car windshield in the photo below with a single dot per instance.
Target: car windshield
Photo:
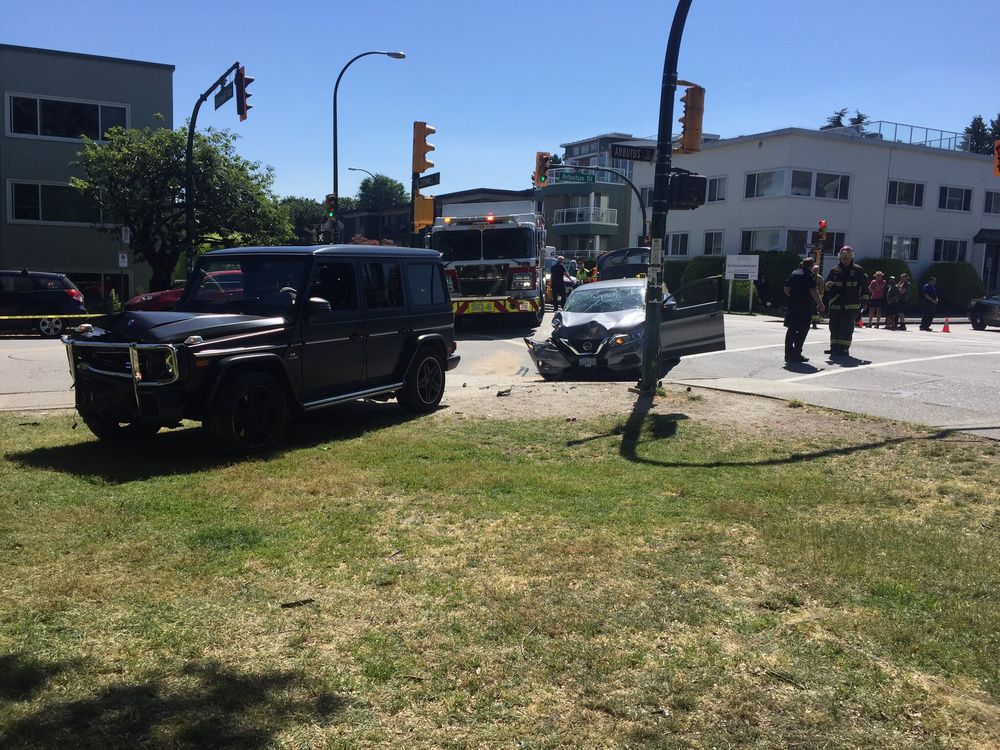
(570, 265)
(588, 299)
(253, 286)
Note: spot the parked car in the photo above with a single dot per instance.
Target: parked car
(293, 330)
(985, 312)
(38, 301)
(162, 300)
(602, 328)
(625, 263)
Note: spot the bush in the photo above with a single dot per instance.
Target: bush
(957, 284)
(702, 266)
(774, 270)
(673, 270)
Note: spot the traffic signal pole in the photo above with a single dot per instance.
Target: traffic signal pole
(661, 203)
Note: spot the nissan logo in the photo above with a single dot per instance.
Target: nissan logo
(587, 346)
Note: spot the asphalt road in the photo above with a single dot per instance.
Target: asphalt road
(947, 380)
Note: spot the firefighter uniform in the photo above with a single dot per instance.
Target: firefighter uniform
(847, 293)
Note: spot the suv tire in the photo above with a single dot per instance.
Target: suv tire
(113, 431)
(424, 383)
(249, 413)
(978, 324)
(50, 328)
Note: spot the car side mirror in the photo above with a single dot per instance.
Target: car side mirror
(318, 307)
(669, 304)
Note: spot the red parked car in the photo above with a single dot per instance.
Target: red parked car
(229, 283)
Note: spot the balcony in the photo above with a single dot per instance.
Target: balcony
(585, 220)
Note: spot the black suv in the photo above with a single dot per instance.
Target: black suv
(37, 301)
(263, 332)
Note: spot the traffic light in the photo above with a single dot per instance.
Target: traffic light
(421, 147)
(330, 207)
(242, 81)
(423, 212)
(822, 230)
(687, 191)
(694, 109)
(540, 178)
(996, 158)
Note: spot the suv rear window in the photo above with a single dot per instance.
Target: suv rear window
(41, 283)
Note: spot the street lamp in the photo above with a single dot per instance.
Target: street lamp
(336, 186)
(359, 169)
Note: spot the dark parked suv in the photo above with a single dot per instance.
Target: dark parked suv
(292, 329)
(37, 301)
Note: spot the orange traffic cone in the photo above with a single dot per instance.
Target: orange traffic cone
(947, 328)
(861, 322)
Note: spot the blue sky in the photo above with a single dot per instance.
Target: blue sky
(500, 81)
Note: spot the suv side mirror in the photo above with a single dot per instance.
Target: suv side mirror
(318, 307)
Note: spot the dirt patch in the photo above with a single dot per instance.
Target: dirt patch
(496, 398)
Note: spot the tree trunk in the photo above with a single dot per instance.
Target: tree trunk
(163, 268)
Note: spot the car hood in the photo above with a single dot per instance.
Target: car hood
(173, 327)
(590, 325)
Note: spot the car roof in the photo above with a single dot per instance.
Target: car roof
(36, 274)
(330, 250)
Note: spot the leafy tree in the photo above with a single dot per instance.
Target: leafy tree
(347, 204)
(977, 137)
(137, 179)
(836, 120)
(381, 192)
(306, 216)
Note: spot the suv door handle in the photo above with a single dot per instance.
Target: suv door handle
(355, 336)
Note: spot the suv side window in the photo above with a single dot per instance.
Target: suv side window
(335, 283)
(426, 284)
(23, 283)
(383, 280)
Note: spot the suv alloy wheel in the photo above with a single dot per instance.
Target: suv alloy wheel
(424, 383)
(249, 414)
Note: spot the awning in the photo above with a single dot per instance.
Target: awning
(987, 235)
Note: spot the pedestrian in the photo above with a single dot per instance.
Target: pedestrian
(891, 304)
(876, 299)
(581, 274)
(557, 278)
(847, 291)
(929, 301)
(817, 315)
(904, 298)
(803, 298)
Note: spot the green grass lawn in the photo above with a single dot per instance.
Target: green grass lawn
(650, 582)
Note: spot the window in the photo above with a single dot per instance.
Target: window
(54, 203)
(716, 189)
(713, 243)
(902, 248)
(677, 244)
(383, 284)
(796, 241)
(992, 202)
(955, 199)
(760, 240)
(905, 193)
(426, 284)
(765, 184)
(335, 283)
(832, 186)
(949, 250)
(802, 182)
(834, 241)
(62, 118)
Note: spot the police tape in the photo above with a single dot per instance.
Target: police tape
(43, 317)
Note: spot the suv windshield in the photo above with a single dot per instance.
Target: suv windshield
(606, 299)
(252, 286)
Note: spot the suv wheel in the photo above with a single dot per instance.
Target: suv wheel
(249, 413)
(113, 431)
(424, 383)
(50, 328)
(978, 323)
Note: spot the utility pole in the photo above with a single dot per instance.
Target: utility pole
(661, 203)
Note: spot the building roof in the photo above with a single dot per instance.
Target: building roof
(619, 136)
(81, 55)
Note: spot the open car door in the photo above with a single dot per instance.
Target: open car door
(692, 320)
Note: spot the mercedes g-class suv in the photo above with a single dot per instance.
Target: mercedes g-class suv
(264, 332)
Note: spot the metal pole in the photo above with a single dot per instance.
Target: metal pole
(336, 87)
(190, 228)
(661, 202)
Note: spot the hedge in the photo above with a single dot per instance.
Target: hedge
(673, 270)
(702, 266)
(957, 284)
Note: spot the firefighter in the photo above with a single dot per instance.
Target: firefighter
(847, 292)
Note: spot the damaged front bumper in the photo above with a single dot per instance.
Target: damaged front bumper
(554, 358)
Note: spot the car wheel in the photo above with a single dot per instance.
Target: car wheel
(50, 328)
(249, 414)
(112, 431)
(424, 383)
(978, 323)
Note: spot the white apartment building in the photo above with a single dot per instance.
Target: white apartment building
(921, 200)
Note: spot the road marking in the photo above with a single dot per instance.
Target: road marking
(824, 373)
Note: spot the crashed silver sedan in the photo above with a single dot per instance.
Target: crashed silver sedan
(602, 328)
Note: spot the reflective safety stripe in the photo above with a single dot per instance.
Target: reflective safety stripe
(846, 343)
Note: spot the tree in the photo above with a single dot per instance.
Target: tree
(995, 128)
(137, 179)
(836, 120)
(306, 216)
(977, 137)
(381, 192)
(859, 120)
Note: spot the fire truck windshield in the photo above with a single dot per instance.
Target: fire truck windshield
(459, 244)
(508, 244)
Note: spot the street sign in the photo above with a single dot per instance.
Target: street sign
(633, 153)
(743, 267)
(428, 180)
(575, 177)
(224, 95)
(123, 260)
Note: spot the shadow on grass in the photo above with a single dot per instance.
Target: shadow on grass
(207, 705)
(191, 449)
(665, 426)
